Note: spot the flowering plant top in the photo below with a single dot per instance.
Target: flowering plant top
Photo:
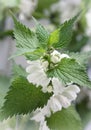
(52, 80)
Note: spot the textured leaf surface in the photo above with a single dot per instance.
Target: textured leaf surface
(25, 38)
(62, 36)
(36, 54)
(81, 57)
(69, 70)
(22, 98)
(67, 119)
(42, 34)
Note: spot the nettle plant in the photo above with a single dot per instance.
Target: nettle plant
(49, 86)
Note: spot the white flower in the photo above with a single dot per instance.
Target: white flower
(64, 56)
(57, 86)
(37, 76)
(63, 95)
(57, 57)
(40, 113)
(43, 126)
(39, 116)
(54, 104)
(61, 98)
(44, 64)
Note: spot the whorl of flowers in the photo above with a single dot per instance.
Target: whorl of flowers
(62, 95)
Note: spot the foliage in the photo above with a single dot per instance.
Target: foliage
(21, 98)
(67, 119)
(69, 70)
(24, 97)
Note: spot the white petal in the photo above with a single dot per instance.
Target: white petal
(34, 66)
(55, 56)
(54, 104)
(70, 95)
(73, 88)
(57, 86)
(46, 111)
(43, 126)
(40, 79)
(37, 75)
(65, 102)
(64, 56)
(55, 59)
(45, 65)
(55, 53)
(38, 117)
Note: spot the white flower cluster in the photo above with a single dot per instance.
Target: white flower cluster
(62, 96)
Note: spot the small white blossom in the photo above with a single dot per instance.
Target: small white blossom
(44, 65)
(37, 76)
(40, 113)
(54, 104)
(56, 56)
(39, 116)
(63, 96)
(64, 56)
(43, 126)
(57, 86)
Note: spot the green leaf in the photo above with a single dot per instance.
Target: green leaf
(25, 38)
(42, 34)
(63, 35)
(22, 98)
(36, 54)
(67, 119)
(81, 57)
(69, 70)
(30, 44)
